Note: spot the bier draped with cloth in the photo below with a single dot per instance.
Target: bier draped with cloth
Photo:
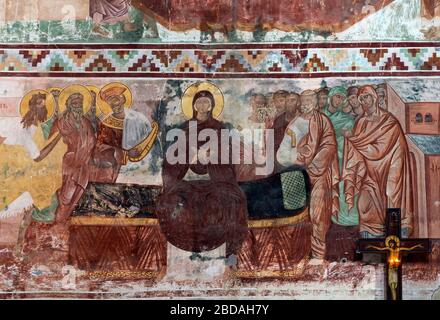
(277, 234)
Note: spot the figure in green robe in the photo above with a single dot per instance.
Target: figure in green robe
(339, 112)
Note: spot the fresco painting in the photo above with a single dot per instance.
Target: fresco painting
(248, 146)
(149, 21)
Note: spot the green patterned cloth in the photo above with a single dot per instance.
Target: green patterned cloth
(294, 192)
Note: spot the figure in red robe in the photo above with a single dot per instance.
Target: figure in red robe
(124, 135)
(317, 152)
(202, 214)
(376, 167)
(110, 12)
(108, 156)
(77, 133)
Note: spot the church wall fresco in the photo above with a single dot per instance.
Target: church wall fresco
(147, 21)
(246, 143)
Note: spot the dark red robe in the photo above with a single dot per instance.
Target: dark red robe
(377, 170)
(317, 152)
(279, 127)
(201, 215)
(80, 142)
(108, 156)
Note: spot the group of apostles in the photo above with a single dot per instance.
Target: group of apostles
(100, 131)
(354, 150)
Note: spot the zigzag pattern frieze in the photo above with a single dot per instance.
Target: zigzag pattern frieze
(260, 61)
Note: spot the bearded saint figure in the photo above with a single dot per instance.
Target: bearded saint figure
(34, 110)
(76, 131)
(37, 110)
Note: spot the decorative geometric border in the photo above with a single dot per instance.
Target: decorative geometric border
(268, 61)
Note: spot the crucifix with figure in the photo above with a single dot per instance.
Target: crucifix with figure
(394, 246)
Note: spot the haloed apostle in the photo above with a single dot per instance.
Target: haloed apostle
(382, 94)
(123, 135)
(72, 127)
(77, 133)
(338, 110)
(322, 98)
(36, 109)
(286, 105)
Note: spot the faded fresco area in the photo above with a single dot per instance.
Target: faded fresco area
(55, 210)
(236, 149)
(149, 21)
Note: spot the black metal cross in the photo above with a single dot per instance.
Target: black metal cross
(394, 247)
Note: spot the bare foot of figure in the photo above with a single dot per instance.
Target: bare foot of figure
(100, 30)
(300, 267)
(2, 139)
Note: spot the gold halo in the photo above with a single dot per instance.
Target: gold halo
(190, 92)
(104, 107)
(50, 103)
(94, 89)
(75, 88)
(389, 238)
(55, 89)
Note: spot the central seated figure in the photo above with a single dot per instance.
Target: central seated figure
(263, 221)
(209, 210)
